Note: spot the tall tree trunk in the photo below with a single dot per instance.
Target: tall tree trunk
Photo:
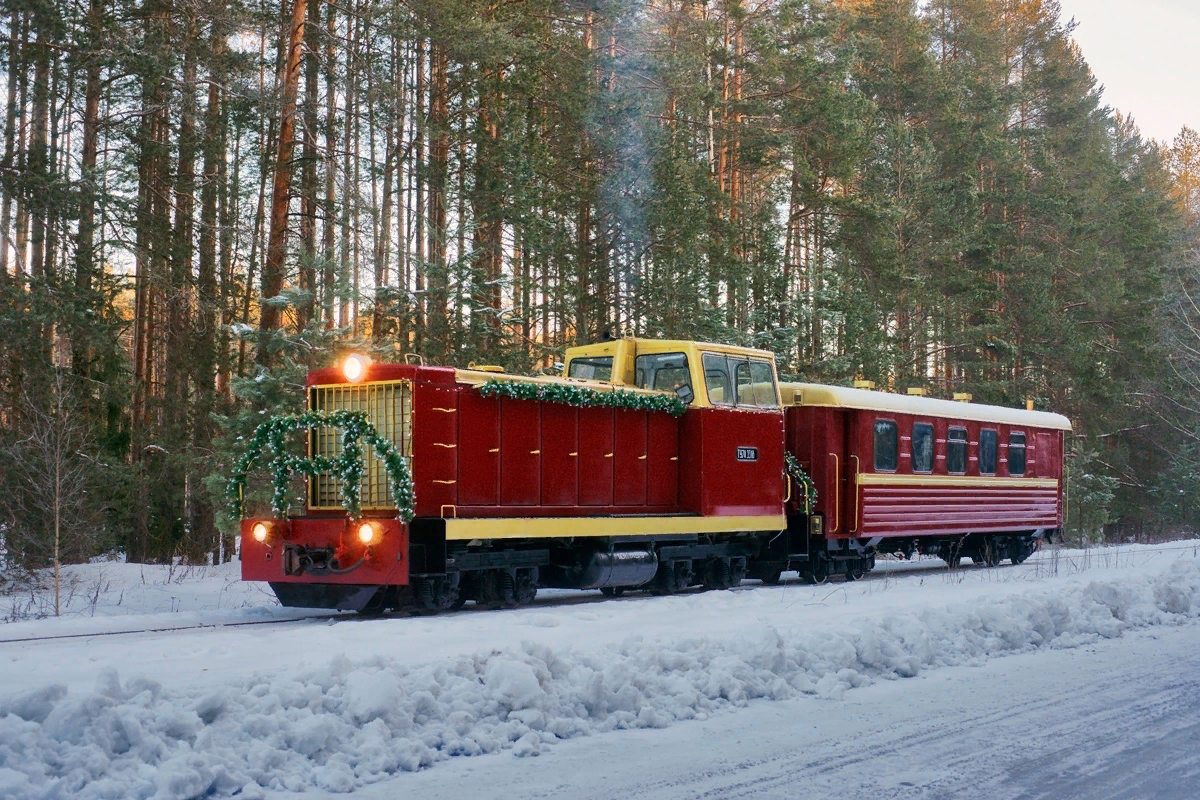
(328, 228)
(308, 171)
(288, 80)
(16, 66)
(38, 171)
(439, 167)
(85, 242)
(204, 357)
(179, 291)
(420, 176)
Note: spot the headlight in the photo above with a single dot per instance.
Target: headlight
(269, 531)
(370, 533)
(355, 368)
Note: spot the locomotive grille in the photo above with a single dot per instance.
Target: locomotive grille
(388, 405)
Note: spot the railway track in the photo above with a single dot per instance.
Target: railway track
(1079, 560)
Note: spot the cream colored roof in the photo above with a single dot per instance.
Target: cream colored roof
(815, 394)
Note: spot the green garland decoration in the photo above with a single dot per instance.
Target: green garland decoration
(801, 477)
(347, 468)
(583, 397)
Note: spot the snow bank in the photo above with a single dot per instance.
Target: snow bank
(351, 724)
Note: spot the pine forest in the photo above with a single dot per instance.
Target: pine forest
(200, 200)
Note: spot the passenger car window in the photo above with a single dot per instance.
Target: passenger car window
(591, 369)
(922, 447)
(1016, 454)
(887, 441)
(667, 371)
(716, 380)
(956, 451)
(987, 451)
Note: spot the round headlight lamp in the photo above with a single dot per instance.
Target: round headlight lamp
(355, 367)
(369, 533)
(260, 532)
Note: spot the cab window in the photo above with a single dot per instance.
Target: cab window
(756, 384)
(987, 451)
(716, 380)
(1016, 454)
(887, 445)
(922, 447)
(666, 371)
(956, 451)
(597, 368)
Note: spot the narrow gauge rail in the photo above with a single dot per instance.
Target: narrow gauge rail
(651, 464)
(902, 570)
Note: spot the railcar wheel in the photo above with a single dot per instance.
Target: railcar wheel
(951, 554)
(613, 591)
(991, 553)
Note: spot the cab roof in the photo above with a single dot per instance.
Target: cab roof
(820, 395)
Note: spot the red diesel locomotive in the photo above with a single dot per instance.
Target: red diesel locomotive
(512, 494)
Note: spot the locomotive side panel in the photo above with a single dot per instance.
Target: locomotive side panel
(435, 440)
(520, 452)
(629, 459)
(662, 490)
(742, 456)
(560, 455)
(478, 449)
(595, 458)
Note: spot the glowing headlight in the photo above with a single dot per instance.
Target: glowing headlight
(355, 368)
(370, 533)
(260, 532)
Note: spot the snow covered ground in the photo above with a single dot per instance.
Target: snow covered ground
(336, 704)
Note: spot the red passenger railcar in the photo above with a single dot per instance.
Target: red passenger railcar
(911, 474)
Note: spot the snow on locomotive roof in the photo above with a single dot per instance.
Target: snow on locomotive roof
(816, 394)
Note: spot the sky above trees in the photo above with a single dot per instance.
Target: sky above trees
(1143, 54)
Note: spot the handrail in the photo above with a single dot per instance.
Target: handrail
(837, 494)
(857, 470)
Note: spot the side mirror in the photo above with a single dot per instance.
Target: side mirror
(686, 394)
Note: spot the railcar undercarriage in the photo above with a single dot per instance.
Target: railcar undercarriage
(445, 576)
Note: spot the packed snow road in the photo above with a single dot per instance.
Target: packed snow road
(1115, 719)
(1098, 654)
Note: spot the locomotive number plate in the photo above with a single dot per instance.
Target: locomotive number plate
(747, 454)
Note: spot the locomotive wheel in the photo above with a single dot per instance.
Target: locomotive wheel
(489, 589)
(718, 576)
(854, 571)
(772, 579)
(612, 591)
(508, 590)
(673, 576)
(525, 586)
(817, 572)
